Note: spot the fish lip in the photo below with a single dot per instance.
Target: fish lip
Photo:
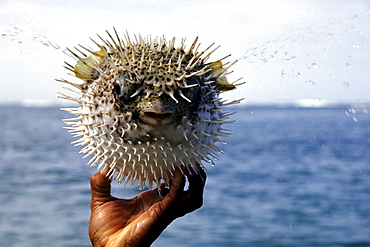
(156, 117)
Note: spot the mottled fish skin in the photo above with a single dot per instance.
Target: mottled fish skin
(146, 107)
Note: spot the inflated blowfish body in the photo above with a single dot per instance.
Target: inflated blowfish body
(147, 107)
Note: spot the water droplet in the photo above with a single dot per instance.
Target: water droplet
(298, 75)
(332, 76)
(314, 65)
(283, 73)
(346, 84)
(312, 82)
(356, 46)
(292, 58)
(349, 66)
(355, 119)
(351, 110)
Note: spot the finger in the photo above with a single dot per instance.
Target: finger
(196, 189)
(176, 190)
(196, 179)
(100, 186)
(163, 190)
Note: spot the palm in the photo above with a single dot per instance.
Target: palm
(140, 220)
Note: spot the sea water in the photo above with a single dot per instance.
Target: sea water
(288, 177)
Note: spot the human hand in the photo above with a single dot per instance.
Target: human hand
(140, 220)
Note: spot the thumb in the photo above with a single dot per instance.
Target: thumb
(100, 186)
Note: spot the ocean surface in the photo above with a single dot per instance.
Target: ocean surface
(288, 177)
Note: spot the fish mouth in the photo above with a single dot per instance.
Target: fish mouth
(154, 117)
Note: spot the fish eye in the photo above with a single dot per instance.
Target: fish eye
(117, 88)
(124, 88)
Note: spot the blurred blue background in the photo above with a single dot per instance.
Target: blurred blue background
(289, 177)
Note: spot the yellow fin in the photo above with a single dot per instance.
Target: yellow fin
(85, 67)
(220, 79)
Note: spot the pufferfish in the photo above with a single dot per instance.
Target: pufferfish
(147, 107)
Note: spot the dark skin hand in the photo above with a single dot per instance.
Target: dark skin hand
(140, 220)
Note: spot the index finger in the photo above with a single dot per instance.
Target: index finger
(175, 193)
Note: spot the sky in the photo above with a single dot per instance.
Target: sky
(287, 51)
